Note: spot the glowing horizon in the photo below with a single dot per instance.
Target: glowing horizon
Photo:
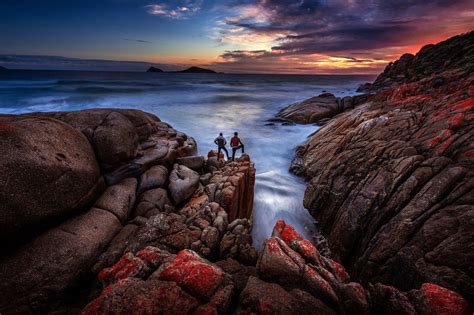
(233, 36)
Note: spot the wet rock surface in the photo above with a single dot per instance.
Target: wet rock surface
(391, 182)
(318, 109)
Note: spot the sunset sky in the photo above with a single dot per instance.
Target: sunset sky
(307, 37)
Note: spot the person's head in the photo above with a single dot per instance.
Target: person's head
(220, 134)
(236, 133)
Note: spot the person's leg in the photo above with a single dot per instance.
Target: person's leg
(219, 153)
(226, 152)
(242, 148)
(233, 153)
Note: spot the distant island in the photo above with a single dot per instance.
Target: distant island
(154, 69)
(189, 70)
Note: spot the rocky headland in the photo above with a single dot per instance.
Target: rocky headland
(391, 182)
(112, 211)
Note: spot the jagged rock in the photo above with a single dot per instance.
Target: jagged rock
(181, 284)
(42, 159)
(294, 263)
(232, 187)
(155, 177)
(389, 185)
(183, 182)
(450, 55)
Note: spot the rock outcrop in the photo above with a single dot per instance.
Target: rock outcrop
(391, 182)
(290, 276)
(452, 54)
(319, 109)
(42, 159)
(74, 224)
(154, 69)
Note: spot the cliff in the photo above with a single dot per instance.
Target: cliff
(391, 181)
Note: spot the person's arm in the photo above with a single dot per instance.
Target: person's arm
(225, 141)
(215, 141)
(240, 141)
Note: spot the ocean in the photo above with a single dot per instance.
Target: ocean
(201, 105)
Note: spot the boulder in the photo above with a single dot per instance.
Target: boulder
(152, 202)
(38, 273)
(311, 110)
(155, 177)
(119, 199)
(195, 163)
(115, 140)
(42, 159)
(183, 182)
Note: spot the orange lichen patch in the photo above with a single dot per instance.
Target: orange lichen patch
(441, 301)
(446, 133)
(127, 266)
(465, 105)
(188, 270)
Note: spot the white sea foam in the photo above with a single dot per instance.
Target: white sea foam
(201, 106)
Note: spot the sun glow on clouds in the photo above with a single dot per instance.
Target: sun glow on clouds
(340, 36)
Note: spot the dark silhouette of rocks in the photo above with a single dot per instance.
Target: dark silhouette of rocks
(391, 181)
(154, 69)
(197, 70)
(454, 53)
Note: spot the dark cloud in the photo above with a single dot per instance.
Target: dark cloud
(137, 40)
(317, 26)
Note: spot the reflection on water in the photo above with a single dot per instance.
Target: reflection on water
(201, 106)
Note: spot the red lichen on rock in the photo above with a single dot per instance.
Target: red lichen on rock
(339, 270)
(126, 267)
(446, 133)
(465, 105)
(456, 120)
(286, 232)
(441, 301)
(188, 270)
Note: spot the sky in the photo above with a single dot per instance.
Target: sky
(235, 36)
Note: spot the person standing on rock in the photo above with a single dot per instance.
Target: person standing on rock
(221, 142)
(236, 144)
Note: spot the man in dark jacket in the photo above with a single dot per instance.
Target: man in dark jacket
(221, 142)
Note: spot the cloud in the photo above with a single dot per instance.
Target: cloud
(65, 63)
(174, 12)
(137, 40)
(373, 30)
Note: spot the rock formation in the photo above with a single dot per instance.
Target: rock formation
(391, 182)
(154, 69)
(290, 276)
(451, 54)
(197, 70)
(84, 188)
(319, 109)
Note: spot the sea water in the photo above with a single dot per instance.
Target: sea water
(201, 105)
